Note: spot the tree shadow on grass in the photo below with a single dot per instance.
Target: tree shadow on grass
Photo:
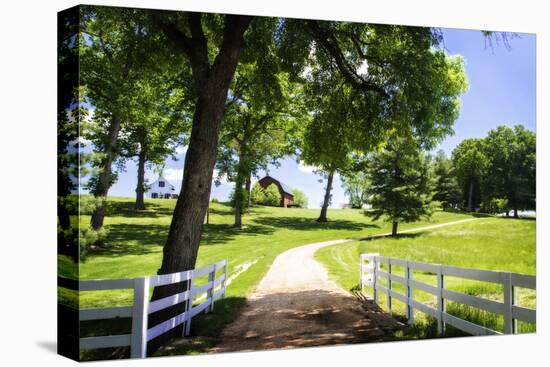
(399, 236)
(214, 234)
(132, 239)
(143, 239)
(302, 224)
(126, 209)
(534, 219)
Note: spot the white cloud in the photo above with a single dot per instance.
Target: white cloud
(173, 174)
(181, 149)
(223, 178)
(307, 169)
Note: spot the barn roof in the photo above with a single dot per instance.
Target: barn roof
(286, 189)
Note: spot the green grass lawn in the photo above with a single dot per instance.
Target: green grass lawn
(486, 243)
(136, 241)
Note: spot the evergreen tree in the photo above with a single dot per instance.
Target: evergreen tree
(401, 184)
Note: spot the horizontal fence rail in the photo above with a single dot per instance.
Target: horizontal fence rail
(212, 290)
(370, 273)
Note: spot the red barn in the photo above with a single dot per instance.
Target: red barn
(287, 199)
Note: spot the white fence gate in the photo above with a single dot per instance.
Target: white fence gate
(371, 272)
(142, 307)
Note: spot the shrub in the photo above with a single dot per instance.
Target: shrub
(272, 196)
(300, 199)
(269, 196)
(257, 195)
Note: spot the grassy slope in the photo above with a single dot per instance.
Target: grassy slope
(487, 243)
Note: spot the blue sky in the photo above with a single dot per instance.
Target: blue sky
(502, 92)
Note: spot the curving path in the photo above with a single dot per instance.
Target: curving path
(296, 304)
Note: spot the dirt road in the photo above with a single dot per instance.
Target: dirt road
(297, 305)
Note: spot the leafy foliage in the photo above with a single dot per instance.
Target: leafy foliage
(511, 168)
(447, 190)
(356, 186)
(300, 199)
(470, 165)
(263, 115)
(269, 196)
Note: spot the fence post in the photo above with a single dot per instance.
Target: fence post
(361, 271)
(375, 279)
(510, 325)
(224, 279)
(210, 292)
(389, 286)
(409, 307)
(138, 348)
(440, 300)
(189, 305)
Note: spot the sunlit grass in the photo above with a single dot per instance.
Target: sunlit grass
(136, 239)
(486, 243)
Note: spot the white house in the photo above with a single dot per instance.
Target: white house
(161, 189)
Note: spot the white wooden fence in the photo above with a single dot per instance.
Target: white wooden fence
(371, 272)
(142, 307)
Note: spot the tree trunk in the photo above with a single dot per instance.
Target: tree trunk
(247, 186)
(140, 188)
(238, 204)
(242, 175)
(471, 196)
(324, 208)
(104, 180)
(394, 228)
(516, 213)
(211, 84)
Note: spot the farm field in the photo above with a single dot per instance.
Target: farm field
(486, 243)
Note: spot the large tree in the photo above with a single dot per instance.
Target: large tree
(401, 183)
(447, 190)
(159, 124)
(356, 186)
(511, 167)
(212, 45)
(115, 52)
(260, 126)
(470, 164)
(395, 79)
